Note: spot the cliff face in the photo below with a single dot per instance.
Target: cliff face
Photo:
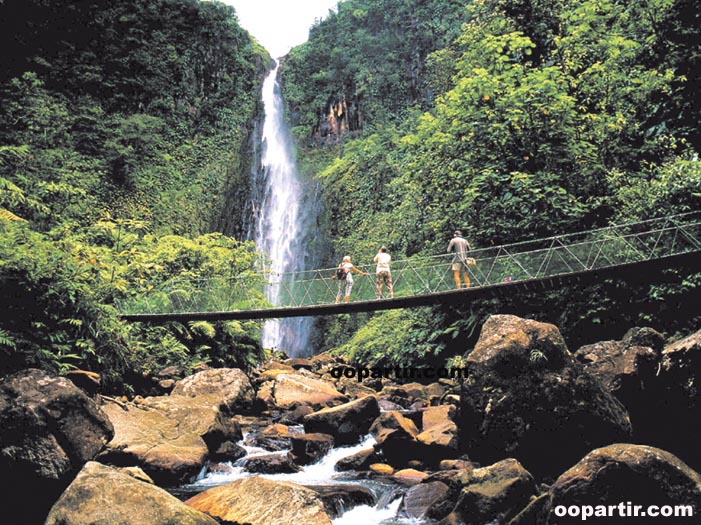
(341, 119)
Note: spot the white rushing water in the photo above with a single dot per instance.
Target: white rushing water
(323, 473)
(284, 215)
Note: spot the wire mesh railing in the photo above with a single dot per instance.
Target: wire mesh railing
(529, 260)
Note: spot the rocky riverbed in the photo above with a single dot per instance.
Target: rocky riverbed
(534, 427)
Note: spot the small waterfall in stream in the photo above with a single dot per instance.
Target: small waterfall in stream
(388, 496)
(285, 210)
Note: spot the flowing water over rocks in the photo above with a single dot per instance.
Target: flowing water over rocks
(386, 495)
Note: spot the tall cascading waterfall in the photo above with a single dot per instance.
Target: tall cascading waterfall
(285, 210)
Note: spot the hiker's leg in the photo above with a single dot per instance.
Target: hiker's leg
(340, 292)
(467, 279)
(390, 289)
(456, 275)
(349, 287)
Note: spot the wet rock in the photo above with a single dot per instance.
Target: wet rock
(493, 494)
(393, 420)
(310, 448)
(227, 451)
(291, 390)
(270, 464)
(526, 397)
(50, 429)
(260, 501)
(420, 498)
(409, 476)
(340, 497)
(358, 461)
(347, 423)
(296, 416)
(382, 469)
(102, 494)
(619, 473)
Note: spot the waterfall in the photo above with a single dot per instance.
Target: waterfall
(285, 211)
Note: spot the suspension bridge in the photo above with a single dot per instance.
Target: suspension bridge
(533, 265)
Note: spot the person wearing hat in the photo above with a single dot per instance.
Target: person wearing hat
(460, 247)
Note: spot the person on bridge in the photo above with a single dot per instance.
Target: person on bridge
(345, 278)
(460, 247)
(383, 273)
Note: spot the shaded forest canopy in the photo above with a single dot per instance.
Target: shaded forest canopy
(124, 125)
(124, 129)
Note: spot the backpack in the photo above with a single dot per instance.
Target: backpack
(341, 273)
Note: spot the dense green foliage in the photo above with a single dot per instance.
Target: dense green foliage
(122, 127)
(547, 117)
(370, 54)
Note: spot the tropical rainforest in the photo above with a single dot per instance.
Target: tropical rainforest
(125, 153)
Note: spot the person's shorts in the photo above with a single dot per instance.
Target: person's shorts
(458, 267)
(384, 276)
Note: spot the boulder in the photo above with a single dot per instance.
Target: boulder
(624, 370)
(409, 476)
(264, 395)
(358, 461)
(50, 429)
(431, 416)
(172, 436)
(229, 387)
(273, 437)
(296, 416)
(493, 494)
(151, 437)
(421, 498)
(353, 389)
(382, 469)
(340, 497)
(347, 423)
(677, 408)
(270, 464)
(526, 397)
(291, 390)
(103, 494)
(443, 436)
(260, 501)
(645, 337)
(393, 420)
(634, 475)
(309, 448)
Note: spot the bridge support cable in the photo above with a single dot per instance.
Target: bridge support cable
(418, 281)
